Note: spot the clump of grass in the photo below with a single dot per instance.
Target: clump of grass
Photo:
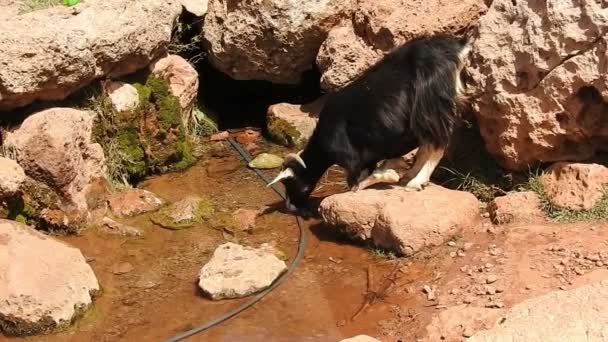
(200, 124)
(35, 5)
(382, 253)
(564, 215)
(476, 185)
(186, 40)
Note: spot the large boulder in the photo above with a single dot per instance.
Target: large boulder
(575, 186)
(538, 73)
(574, 315)
(55, 147)
(49, 54)
(377, 27)
(44, 283)
(399, 220)
(275, 40)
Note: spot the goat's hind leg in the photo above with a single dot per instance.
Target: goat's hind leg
(427, 159)
(384, 174)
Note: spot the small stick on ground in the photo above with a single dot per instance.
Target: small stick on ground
(372, 295)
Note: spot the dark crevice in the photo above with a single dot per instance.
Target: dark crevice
(236, 104)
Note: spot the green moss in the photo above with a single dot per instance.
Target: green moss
(181, 215)
(170, 113)
(186, 156)
(284, 133)
(133, 156)
(149, 139)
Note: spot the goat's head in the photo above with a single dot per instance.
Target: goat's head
(298, 184)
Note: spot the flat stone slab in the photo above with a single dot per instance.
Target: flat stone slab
(236, 271)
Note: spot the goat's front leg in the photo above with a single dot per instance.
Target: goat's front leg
(427, 159)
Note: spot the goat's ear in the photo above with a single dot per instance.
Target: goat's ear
(287, 173)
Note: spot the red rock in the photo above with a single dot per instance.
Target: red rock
(516, 206)
(134, 202)
(181, 77)
(247, 136)
(220, 136)
(245, 218)
(575, 186)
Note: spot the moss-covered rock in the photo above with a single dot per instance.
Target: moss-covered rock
(284, 133)
(43, 208)
(151, 139)
(266, 161)
(184, 214)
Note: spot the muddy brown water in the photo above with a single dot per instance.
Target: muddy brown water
(159, 298)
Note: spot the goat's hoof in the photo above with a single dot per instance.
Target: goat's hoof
(413, 188)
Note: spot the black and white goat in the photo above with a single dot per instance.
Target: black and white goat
(408, 99)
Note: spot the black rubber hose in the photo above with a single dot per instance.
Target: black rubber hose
(256, 298)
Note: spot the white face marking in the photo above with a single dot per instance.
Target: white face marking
(287, 173)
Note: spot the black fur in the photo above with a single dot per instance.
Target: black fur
(407, 99)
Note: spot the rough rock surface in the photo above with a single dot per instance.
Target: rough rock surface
(275, 40)
(235, 271)
(538, 71)
(575, 186)
(574, 315)
(378, 26)
(55, 147)
(196, 7)
(181, 77)
(183, 214)
(402, 221)
(459, 321)
(50, 54)
(360, 338)
(12, 177)
(522, 206)
(292, 125)
(134, 202)
(112, 227)
(123, 96)
(44, 283)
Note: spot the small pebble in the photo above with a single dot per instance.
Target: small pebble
(490, 290)
(460, 253)
(468, 246)
(491, 279)
(453, 254)
(452, 243)
(578, 271)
